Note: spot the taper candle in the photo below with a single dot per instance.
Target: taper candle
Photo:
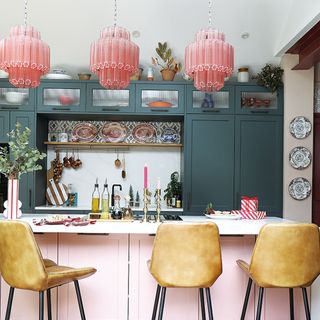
(145, 176)
(159, 186)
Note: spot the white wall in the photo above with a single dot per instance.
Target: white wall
(298, 101)
(100, 163)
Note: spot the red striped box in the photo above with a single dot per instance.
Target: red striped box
(252, 215)
(249, 204)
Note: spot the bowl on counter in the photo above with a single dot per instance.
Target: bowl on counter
(84, 76)
(15, 97)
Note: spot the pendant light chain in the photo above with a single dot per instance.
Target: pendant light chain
(115, 13)
(25, 13)
(210, 12)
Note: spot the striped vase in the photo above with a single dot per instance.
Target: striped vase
(13, 203)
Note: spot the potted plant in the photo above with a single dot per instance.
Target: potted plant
(270, 77)
(16, 160)
(173, 190)
(169, 66)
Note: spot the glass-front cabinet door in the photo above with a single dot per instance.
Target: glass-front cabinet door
(210, 102)
(64, 96)
(160, 98)
(12, 98)
(100, 99)
(258, 99)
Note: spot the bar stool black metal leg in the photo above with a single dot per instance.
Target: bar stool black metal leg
(261, 290)
(49, 304)
(291, 304)
(246, 299)
(41, 305)
(210, 312)
(162, 299)
(9, 305)
(203, 310)
(156, 301)
(306, 304)
(76, 285)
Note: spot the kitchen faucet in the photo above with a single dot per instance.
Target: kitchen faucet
(112, 194)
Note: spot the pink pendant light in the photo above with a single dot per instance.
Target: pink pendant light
(209, 59)
(113, 57)
(24, 56)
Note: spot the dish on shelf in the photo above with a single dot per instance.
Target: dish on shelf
(300, 158)
(85, 132)
(169, 135)
(57, 76)
(299, 188)
(223, 215)
(144, 132)
(113, 132)
(300, 127)
(160, 104)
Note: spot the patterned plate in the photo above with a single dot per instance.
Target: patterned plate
(300, 158)
(84, 131)
(169, 135)
(113, 132)
(300, 127)
(299, 188)
(144, 132)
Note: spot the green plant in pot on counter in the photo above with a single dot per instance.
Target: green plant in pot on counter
(173, 190)
(169, 66)
(270, 77)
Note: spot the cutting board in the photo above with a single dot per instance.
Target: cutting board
(56, 193)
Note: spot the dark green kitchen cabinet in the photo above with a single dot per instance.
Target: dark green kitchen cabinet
(209, 163)
(4, 125)
(258, 160)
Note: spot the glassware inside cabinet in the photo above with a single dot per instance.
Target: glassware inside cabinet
(14, 96)
(110, 98)
(217, 100)
(160, 98)
(252, 100)
(61, 97)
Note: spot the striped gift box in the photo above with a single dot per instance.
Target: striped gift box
(252, 215)
(249, 204)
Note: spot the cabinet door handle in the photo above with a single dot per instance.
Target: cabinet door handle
(210, 110)
(30, 192)
(110, 109)
(159, 110)
(61, 109)
(9, 108)
(259, 111)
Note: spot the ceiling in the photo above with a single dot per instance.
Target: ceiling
(69, 27)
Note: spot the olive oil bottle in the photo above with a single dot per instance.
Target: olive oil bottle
(95, 202)
(105, 198)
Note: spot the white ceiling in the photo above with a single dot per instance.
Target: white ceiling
(69, 27)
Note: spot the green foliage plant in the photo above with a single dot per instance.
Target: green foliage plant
(165, 54)
(19, 158)
(270, 77)
(174, 187)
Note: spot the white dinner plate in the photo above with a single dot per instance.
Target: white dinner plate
(226, 216)
(57, 76)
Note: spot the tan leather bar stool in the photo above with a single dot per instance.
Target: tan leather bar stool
(286, 255)
(185, 255)
(22, 267)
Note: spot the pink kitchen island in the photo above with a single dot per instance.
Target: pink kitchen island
(123, 289)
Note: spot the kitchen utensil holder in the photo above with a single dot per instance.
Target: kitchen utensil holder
(158, 202)
(145, 205)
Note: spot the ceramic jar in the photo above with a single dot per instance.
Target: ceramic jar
(243, 74)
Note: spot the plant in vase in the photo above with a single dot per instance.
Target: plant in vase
(173, 190)
(169, 66)
(16, 160)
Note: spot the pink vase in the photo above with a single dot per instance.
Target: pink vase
(12, 204)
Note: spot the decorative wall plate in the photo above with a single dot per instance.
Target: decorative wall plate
(113, 132)
(300, 127)
(144, 132)
(300, 158)
(85, 132)
(299, 188)
(169, 135)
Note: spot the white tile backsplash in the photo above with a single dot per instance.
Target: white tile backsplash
(99, 163)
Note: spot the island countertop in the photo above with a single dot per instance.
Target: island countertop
(226, 227)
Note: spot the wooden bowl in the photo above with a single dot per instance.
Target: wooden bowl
(84, 76)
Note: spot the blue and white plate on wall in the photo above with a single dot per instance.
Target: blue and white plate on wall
(299, 158)
(300, 127)
(299, 188)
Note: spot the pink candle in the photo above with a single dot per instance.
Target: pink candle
(159, 186)
(145, 176)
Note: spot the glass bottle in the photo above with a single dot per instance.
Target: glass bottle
(95, 202)
(105, 198)
(116, 210)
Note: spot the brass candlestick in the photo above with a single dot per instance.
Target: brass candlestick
(145, 205)
(158, 200)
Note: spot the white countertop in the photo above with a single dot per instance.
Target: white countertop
(226, 227)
